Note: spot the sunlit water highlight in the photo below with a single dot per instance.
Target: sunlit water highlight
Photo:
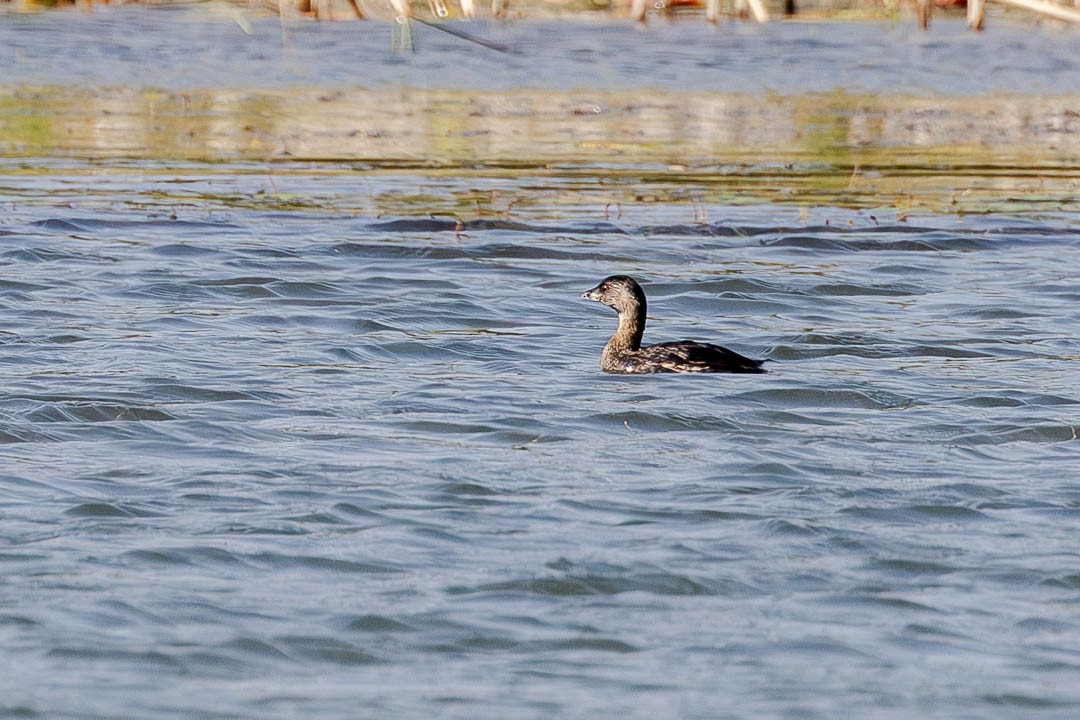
(270, 456)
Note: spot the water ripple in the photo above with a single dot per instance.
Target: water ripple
(299, 455)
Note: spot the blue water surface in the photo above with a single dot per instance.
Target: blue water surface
(272, 462)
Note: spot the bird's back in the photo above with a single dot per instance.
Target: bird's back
(685, 356)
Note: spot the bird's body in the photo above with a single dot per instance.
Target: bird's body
(624, 352)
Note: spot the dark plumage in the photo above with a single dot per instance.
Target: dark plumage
(624, 352)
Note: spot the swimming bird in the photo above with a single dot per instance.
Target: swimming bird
(624, 352)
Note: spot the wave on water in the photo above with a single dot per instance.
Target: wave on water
(331, 453)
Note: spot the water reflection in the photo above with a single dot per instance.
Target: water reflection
(455, 128)
(838, 148)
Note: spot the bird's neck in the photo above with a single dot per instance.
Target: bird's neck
(628, 335)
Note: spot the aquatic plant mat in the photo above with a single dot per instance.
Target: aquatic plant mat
(966, 154)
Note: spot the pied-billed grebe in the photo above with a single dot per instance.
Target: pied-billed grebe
(624, 352)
